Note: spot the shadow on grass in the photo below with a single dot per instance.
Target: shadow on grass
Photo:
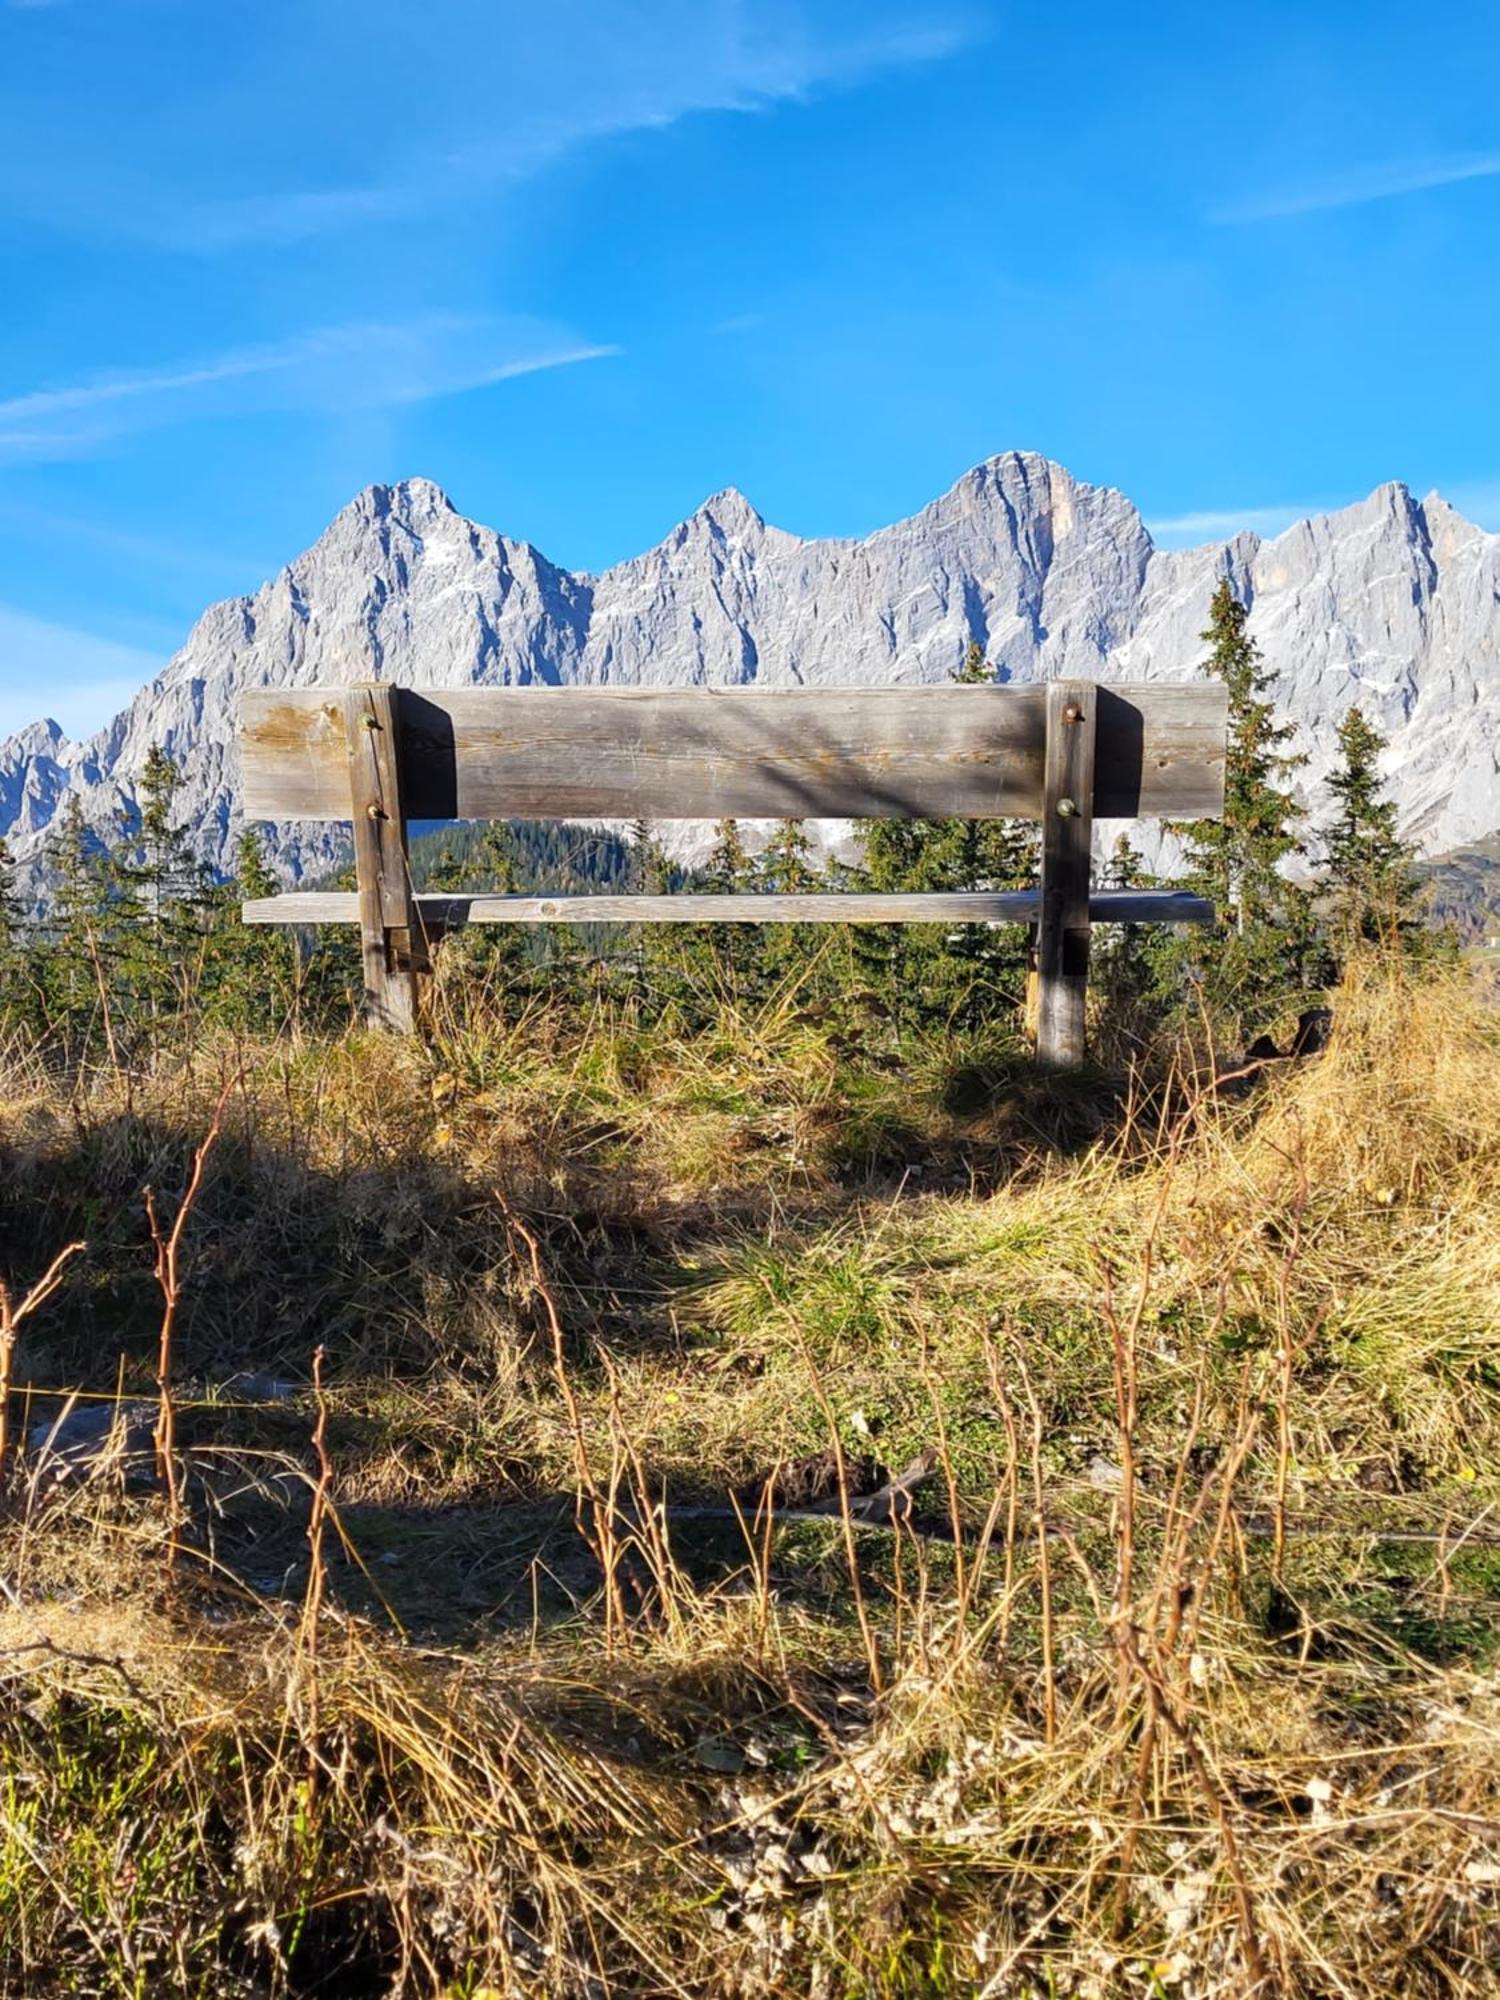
(352, 1216)
(375, 1231)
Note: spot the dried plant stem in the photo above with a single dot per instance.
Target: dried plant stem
(1183, 1733)
(317, 1570)
(1123, 1353)
(1135, 1813)
(591, 1512)
(317, 1516)
(1247, 1429)
(950, 1479)
(1044, 1565)
(1171, 1577)
(11, 1317)
(1011, 1487)
(167, 1245)
(846, 1519)
(1286, 1357)
(106, 1012)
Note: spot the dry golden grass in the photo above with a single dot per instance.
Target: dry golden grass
(1179, 1680)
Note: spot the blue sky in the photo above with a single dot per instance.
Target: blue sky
(585, 262)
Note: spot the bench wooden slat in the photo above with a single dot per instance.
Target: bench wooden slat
(745, 753)
(439, 912)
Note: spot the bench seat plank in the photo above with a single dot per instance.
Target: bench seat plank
(1021, 906)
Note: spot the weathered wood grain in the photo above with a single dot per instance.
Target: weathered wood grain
(1062, 940)
(391, 937)
(1106, 906)
(701, 753)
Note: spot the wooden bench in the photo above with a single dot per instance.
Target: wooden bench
(1065, 752)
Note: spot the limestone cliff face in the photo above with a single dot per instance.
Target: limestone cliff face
(1392, 603)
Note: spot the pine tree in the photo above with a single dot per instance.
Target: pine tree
(162, 898)
(786, 864)
(254, 973)
(77, 941)
(729, 868)
(656, 953)
(9, 908)
(12, 982)
(1369, 876)
(1126, 958)
(650, 870)
(1258, 955)
(785, 867)
(964, 976)
(975, 670)
(725, 956)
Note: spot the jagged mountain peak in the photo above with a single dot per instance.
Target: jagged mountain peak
(1395, 502)
(404, 499)
(1040, 500)
(381, 518)
(729, 510)
(1449, 529)
(43, 738)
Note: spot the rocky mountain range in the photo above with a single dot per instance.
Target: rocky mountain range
(1393, 603)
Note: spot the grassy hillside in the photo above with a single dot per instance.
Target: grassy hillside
(774, 1520)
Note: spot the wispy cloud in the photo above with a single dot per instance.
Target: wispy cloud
(77, 678)
(46, 404)
(365, 365)
(754, 74)
(1185, 531)
(1362, 184)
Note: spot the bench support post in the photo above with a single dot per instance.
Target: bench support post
(1062, 943)
(393, 944)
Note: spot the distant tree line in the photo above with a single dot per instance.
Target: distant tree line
(138, 937)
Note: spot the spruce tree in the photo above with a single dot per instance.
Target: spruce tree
(508, 956)
(254, 972)
(965, 975)
(657, 961)
(650, 869)
(1369, 875)
(729, 868)
(12, 964)
(785, 867)
(485, 861)
(77, 956)
(1125, 962)
(786, 863)
(162, 897)
(1258, 955)
(9, 907)
(727, 953)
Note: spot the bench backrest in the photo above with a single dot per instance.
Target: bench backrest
(1063, 753)
(736, 753)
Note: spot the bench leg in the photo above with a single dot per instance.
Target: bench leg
(1062, 943)
(390, 929)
